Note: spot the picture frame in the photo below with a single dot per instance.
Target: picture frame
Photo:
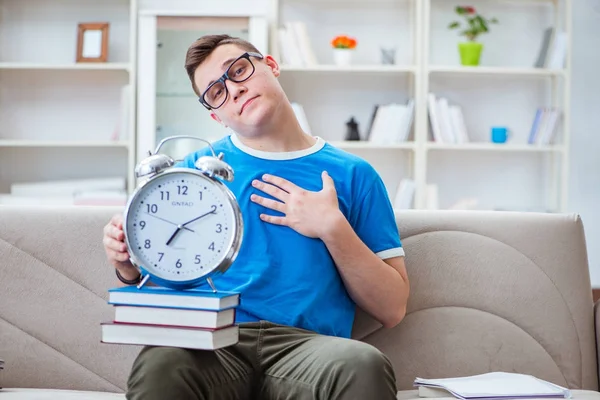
(92, 42)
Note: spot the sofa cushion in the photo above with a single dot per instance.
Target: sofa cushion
(575, 395)
(50, 394)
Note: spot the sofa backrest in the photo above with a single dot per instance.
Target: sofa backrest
(492, 291)
(489, 291)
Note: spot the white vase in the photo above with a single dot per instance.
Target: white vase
(342, 57)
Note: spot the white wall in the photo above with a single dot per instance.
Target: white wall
(585, 143)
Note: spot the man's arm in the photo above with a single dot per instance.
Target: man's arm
(380, 287)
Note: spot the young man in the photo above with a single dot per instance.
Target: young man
(320, 239)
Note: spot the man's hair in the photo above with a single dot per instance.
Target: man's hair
(204, 46)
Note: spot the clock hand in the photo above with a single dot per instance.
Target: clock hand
(179, 227)
(213, 211)
(183, 226)
(170, 222)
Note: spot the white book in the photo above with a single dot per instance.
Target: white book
(458, 124)
(446, 124)
(174, 316)
(409, 111)
(405, 194)
(304, 45)
(434, 118)
(152, 335)
(293, 44)
(496, 385)
(393, 131)
(380, 124)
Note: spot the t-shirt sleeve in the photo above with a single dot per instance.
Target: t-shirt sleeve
(374, 221)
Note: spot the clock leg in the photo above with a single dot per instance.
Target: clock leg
(143, 282)
(212, 285)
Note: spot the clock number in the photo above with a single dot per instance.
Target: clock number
(143, 224)
(147, 244)
(197, 259)
(178, 263)
(200, 195)
(182, 190)
(219, 228)
(164, 195)
(213, 208)
(160, 256)
(153, 208)
(212, 246)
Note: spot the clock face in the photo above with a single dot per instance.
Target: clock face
(181, 225)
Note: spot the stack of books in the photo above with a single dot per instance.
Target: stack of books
(156, 316)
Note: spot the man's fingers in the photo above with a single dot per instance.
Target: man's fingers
(114, 245)
(120, 257)
(272, 204)
(273, 219)
(117, 220)
(271, 189)
(116, 233)
(282, 183)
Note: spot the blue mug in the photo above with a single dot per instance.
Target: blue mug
(499, 134)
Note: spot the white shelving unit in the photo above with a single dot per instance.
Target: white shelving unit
(505, 90)
(57, 116)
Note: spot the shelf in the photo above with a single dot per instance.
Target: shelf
(459, 70)
(363, 144)
(73, 66)
(495, 147)
(176, 94)
(350, 69)
(47, 143)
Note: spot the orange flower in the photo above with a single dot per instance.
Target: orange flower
(343, 42)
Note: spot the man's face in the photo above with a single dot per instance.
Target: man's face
(248, 103)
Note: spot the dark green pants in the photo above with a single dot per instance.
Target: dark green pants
(269, 362)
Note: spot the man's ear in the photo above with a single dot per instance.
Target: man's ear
(272, 63)
(216, 118)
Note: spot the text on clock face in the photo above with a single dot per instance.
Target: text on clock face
(181, 226)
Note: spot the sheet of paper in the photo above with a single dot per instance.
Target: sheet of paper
(497, 384)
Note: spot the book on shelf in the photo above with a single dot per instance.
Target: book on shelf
(405, 194)
(553, 50)
(391, 123)
(157, 316)
(295, 46)
(447, 121)
(491, 386)
(544, 126)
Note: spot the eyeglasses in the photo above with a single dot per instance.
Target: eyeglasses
(240, 70)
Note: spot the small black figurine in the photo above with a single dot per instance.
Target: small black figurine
(352, 131)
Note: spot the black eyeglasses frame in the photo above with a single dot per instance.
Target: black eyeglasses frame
(226, 76)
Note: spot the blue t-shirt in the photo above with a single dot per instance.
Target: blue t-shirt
(283, 276)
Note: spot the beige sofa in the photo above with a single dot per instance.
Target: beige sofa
(491, 291)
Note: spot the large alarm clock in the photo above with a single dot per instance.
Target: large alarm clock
(183, 226)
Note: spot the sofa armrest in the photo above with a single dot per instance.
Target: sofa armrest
(597, 327)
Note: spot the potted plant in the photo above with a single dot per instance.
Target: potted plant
(474, 25)
(343, 46)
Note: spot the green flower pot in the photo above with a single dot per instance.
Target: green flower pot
(470, 53)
